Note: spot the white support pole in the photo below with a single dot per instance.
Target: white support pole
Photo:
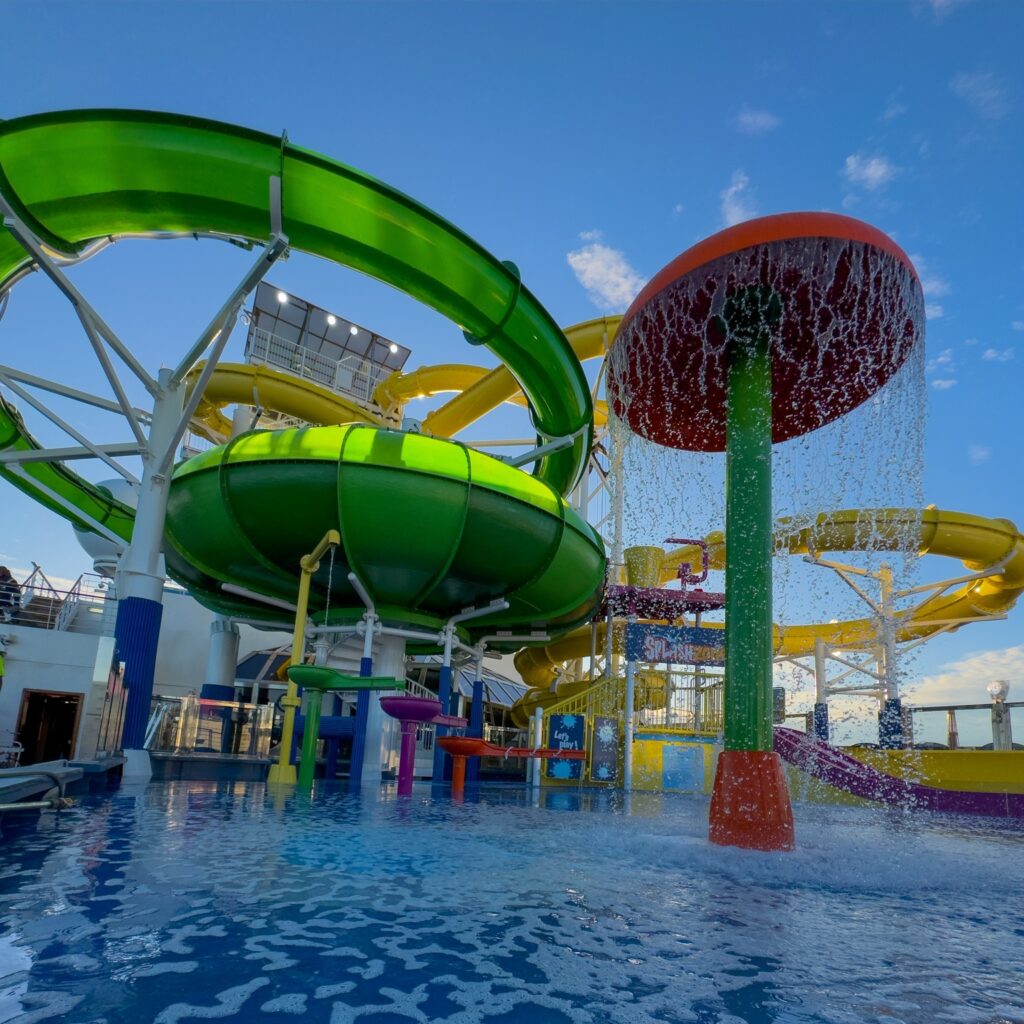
(820, 676)
(1002, 733)
(593, 650)
(139, 574)
(888, 617)
(609, 641)
(140, 578)
(222, 657)
(538, 741)
(627, 768)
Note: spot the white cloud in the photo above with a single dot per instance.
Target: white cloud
(610, 281)
(932, 311)
(678, 209)
(943, 384)
(944, 360)
(1018, 325)
(894, 108)
(870, 172)
(933, 286)
(737, 200)
(982, 91)
(964, 681)
(978, 453)
(971, 341)
(756, 122)
(940, 8)
(993, 355)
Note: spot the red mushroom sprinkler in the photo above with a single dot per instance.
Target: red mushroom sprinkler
(761, 333)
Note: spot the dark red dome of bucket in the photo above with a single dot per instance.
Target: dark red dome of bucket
(853, 311)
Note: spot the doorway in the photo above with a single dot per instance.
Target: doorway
(48, 725)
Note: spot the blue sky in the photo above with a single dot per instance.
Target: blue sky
(590, 143)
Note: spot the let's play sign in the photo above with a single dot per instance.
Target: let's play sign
(675, 645)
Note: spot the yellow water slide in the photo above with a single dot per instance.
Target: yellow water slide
(995, 546)
(477, 390)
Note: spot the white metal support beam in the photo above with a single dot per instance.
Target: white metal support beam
(58, 499)
(85, 397)
(17, 458)
(225, 317)
(124, 405)
(59, 421)
(34, 248)
(216, 334)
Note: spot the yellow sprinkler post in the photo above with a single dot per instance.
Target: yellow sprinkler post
(284, 772)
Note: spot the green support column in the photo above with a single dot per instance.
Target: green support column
(310, 738)
(748, 320)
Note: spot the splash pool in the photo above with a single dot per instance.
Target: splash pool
(198, 901)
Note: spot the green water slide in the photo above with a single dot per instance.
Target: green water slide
(428, 526)
(76, 177)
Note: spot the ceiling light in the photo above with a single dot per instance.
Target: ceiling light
(331, 319)
(282, 296)
(393, 347)
(353, 329)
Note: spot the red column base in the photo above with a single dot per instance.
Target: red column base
(458, 776)
(750, 805)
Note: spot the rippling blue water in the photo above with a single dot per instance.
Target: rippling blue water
(202, 901)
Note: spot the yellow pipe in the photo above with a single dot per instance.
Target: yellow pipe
(284, 771)
(978, 542)
(588, 340)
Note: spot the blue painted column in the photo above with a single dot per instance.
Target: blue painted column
(476, 725)
(890, 724)
(136, 633)
(362, 717)
(821, 722)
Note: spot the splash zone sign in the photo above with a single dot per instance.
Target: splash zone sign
(675, 645)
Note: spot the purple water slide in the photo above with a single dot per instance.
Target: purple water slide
(845, 772)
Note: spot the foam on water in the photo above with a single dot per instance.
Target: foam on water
(586, 908)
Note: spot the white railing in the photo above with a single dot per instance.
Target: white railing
(88, 606)
(351, 375)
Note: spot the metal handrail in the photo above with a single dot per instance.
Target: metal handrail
(352, 375)
(964, 707)
(43, 606)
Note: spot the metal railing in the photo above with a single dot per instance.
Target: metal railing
(88, 606)
(355, 376)
(689, 701)
(505, 736)
(194, 725)
(999, 711)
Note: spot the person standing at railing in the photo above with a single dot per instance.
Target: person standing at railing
(10, 594)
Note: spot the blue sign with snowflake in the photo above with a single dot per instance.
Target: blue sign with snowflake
(566, 732)
(604, 750)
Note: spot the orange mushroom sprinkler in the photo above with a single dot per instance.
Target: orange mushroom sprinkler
(788, 322)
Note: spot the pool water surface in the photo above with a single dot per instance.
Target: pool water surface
(185, 901)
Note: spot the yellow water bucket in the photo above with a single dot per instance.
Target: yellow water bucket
(643, 565)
